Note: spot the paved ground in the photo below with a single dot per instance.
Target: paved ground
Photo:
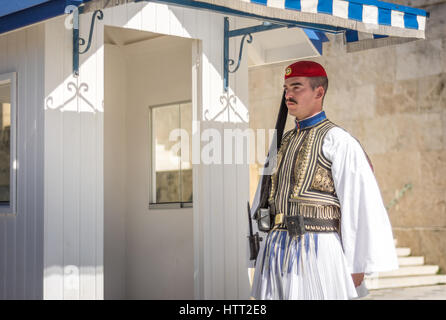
(437, 292)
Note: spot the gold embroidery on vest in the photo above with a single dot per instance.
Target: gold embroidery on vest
(302, 161)
(323, 180)
(313, 188)
(313, 195)
(309, 157)
(280, 155)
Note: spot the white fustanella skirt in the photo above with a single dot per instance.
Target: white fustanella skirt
(308, 267)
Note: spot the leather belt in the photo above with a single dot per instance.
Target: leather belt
(311, 224)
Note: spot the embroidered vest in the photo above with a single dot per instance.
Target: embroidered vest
(312, 185)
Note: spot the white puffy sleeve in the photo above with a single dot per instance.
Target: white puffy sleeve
(366, 233)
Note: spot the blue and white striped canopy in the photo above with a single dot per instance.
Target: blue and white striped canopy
(364, 22)
(361, 19)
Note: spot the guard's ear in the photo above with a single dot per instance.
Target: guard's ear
(320, 92)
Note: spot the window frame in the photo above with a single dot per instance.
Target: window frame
(152, 163)
(11, 207)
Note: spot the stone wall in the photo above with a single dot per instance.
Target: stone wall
(417, 3)
(393, 100)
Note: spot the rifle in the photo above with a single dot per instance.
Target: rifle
(266, 179)
(254, 239)
(264, 186)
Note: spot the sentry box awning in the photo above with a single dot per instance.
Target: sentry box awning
(365, 23)
(366, 16)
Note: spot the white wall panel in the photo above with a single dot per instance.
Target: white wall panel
(99, 158)
(21, 251)
(90, 108)
(73, 159)
(55, 68)
(240, 256)
(134, 15)
(74, 209)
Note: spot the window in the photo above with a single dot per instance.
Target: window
(7, 143)
(171, 154)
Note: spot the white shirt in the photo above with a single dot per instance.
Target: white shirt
(366, 233)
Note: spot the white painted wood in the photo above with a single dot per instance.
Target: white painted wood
(219, 261)
(242, 186)
(71, 150)
(74, 209)
(54, 97)
(99, 157)
(39, 164)
(134, 15)
(198, 199)
(22, 234)
(88, 143)
(119, 15)
(162, 19)
(33, 37)
(204, 33)
(148, 16)
(190, 24)
(230, 212)
(73, 181)
(176, 18)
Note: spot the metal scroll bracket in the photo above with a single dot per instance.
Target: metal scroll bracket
(314, 32)
(244, 32)
(77, 40)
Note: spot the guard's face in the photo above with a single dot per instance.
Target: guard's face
(302, 101)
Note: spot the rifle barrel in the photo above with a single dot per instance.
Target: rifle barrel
(249, 219)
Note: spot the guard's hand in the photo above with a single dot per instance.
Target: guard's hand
(357, 278)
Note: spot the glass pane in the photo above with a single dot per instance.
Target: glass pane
(167, 159)
(5, 126)
(186, 155)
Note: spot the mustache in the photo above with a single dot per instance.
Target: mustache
(291, 100)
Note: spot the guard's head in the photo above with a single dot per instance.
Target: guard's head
(305, 86)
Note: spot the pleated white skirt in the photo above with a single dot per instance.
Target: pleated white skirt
(309, 267)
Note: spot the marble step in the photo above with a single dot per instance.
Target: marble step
(398, 282)
(403, 252)
(407, 271)
(410, 261)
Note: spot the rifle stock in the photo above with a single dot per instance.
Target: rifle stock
(254, 239)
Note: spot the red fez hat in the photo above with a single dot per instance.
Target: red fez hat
(305, 69)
